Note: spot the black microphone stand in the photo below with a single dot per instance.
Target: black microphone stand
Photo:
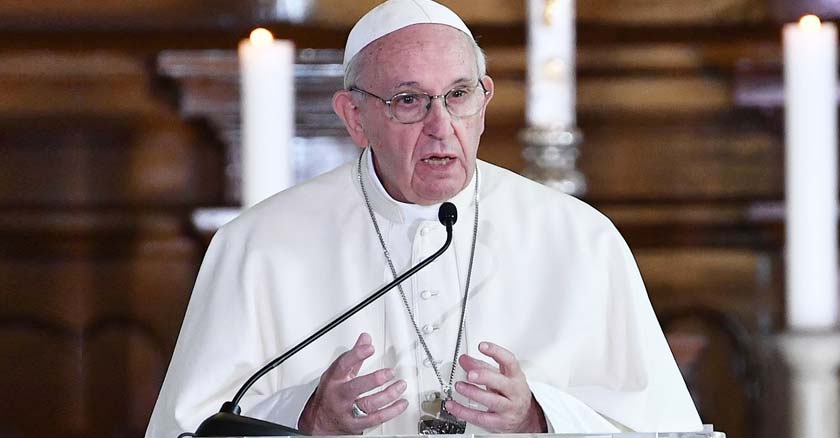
(227, 422)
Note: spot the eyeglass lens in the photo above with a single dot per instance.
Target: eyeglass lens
(460, 102)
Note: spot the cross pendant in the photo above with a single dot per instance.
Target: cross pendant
(444, 423)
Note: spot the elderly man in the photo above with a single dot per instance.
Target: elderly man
(536, 320)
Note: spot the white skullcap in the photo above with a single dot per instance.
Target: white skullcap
(394, 15)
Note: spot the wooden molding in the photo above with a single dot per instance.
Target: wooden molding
(792, 10)
(178, 15)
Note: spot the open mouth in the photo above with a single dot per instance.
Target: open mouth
(437, 160)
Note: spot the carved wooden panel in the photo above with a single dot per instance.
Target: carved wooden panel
(39, 360)
(729, 298)
(502, 12)
(344, 14)
(196, 15)
(623, 161)
(91, 335)
(77, 161)
(786, 10)
(42, 83)
(672, 11)
(151, 14)
(97, 258)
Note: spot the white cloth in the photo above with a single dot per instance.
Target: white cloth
(553, 281)
(393, 15)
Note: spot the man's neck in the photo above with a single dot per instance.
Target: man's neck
(411, 212)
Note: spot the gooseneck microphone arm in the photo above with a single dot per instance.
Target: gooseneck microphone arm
(343, 317)
(228, 422)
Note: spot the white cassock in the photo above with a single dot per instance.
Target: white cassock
(553, 281)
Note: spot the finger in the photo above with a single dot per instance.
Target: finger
(486, 420)
(493, 380)
(362, 342)
(387, 413)
(362, 384)
(469, 363)
(494, 401)
(505, 358)
(363, 339)
(350, 362)
(376, 401)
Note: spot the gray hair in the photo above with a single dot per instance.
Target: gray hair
(354, 68)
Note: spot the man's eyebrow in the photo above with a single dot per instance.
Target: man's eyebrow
(461, 80)
(415, 84)
(408, 84)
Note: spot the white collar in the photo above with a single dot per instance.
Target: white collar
(383, 203)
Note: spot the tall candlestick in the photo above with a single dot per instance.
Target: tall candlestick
(267, 105)
(551, 63)
(810, 56)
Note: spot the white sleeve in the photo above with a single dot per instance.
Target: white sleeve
(624, 370)
(217, 348)
(285, 406)
(220, 344)
(566, 414)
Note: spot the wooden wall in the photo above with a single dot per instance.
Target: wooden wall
(100, 173)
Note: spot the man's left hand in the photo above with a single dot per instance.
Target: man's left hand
(511, 407)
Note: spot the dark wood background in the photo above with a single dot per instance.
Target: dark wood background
(100, 170)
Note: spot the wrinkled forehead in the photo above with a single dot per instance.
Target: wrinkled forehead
(426, 54)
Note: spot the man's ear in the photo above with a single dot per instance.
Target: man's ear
(490, 86)
(349, 113)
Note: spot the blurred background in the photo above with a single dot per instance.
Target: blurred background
(119, 120)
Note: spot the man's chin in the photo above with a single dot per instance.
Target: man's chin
(438, 194)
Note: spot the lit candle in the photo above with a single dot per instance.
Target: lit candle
(267, 108)
(551, 63)
(810, 57)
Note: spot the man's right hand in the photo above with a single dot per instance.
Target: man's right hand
(330, 409)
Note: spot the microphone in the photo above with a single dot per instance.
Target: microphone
(448, 215)
(227, 422)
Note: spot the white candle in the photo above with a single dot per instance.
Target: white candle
(810, 57)
(551, 63)
(267, 108)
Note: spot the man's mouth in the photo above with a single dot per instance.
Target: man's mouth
(437, 161)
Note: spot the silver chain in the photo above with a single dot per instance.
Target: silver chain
(446, 388)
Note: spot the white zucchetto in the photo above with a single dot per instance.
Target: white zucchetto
(394, 15)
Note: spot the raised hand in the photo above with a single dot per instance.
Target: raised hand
(330, 409)
(503, 389)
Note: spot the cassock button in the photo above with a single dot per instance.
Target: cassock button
(425, 230)
(428, 294)
(429, 329)
(428, 364)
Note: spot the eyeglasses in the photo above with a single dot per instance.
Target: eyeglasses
(412, 107)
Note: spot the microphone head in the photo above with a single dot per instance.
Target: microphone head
(448, 214)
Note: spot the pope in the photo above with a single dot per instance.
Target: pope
(535, 320)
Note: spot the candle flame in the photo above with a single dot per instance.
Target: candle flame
(810, 22)
(261, 37)
(549, 11)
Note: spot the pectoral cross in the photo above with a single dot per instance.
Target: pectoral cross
(442, 424)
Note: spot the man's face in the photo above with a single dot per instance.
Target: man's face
(432, 160)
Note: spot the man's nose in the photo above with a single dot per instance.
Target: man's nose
(438, 122)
